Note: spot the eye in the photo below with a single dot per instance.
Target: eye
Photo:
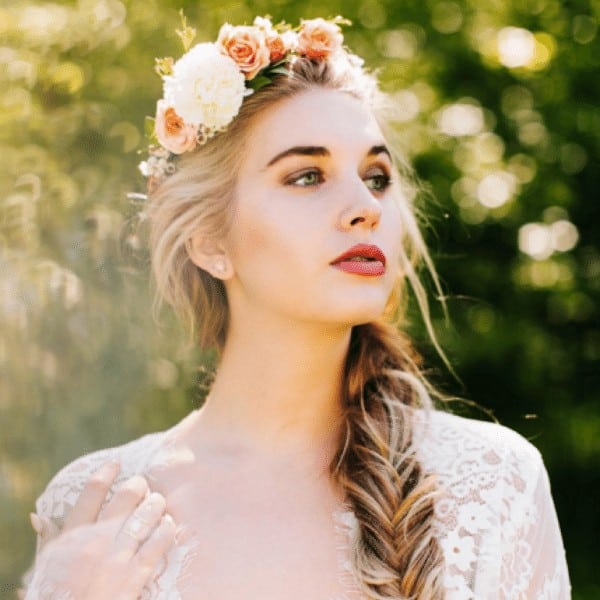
(378, 180)
(308, 178)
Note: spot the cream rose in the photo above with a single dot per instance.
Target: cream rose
(319, 38)
(172, 132)
(247, 46)
(206, 88)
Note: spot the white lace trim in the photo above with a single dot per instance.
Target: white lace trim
(495, 519)
(345, 526)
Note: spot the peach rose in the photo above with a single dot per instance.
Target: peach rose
(171, 130)
(319, 38)
(247, 46)
(277, 49)
(275, 43)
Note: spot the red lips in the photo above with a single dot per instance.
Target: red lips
(361, 250)
(372, 263)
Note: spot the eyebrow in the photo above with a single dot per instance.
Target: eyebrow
(381, 149)
(301, 151)
(321, 151)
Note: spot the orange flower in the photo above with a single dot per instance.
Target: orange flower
(171, 130)
(277, 49)
(319, 38)
(247, 46)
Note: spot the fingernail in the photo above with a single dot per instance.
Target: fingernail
(36, 523)
(155, 497)
(137, 484)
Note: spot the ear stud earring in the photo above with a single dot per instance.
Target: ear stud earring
(219, 267)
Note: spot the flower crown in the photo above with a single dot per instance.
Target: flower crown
(204, 90)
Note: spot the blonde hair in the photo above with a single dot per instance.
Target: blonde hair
(395, 553)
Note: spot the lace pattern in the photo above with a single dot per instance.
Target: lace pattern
(495, 519)
(345, 525)
(495, 500)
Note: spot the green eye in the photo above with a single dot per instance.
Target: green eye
(307, 179)
(378, 183)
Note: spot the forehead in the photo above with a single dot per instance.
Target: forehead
(329, 118)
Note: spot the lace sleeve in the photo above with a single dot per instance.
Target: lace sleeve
(495, 518)
(54, 504)
(533, 561)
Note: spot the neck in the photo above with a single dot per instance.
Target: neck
(277, 392)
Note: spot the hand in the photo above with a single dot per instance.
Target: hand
(110, 553)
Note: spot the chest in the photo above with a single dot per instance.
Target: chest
(267, 537)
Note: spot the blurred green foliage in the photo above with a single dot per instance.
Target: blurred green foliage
(498, 111)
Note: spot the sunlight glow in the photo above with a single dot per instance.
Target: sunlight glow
(408, 105)
(399, 43)
(535, 240)
(540, 241)
(446, 17)
(460, 119)
(564, 235)
(516, 47)
(496, 189)
(164, 373)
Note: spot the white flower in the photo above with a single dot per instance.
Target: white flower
(456, 587)
(157, 165)
(264, 23)
(459, 550)
(206, 87)
(473, 517)
(290, 40)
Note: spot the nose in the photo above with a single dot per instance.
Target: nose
(362, 210)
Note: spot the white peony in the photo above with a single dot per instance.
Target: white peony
(206, 87)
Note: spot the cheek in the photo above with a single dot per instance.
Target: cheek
(393, 232)
(269, 247)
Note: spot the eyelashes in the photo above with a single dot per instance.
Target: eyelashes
(377, 180)
(306, 178)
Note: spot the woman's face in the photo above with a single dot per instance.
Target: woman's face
(316, 180)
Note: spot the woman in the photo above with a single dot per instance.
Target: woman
(317, 468)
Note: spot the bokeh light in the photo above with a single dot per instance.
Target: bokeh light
(540, 240)
(495, 104)
(460, 119)
(516, 47)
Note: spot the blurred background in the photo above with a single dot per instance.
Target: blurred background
(498, 112)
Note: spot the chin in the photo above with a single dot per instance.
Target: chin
(358, 311)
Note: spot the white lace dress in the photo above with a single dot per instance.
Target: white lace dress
(495, 519)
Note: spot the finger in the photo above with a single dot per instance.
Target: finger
(125, 499)
(153, 549)
(90, 500)
(43, 526)
(140, 525)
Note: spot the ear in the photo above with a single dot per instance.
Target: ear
(208, 254)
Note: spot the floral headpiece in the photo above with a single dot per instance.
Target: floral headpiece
(204, 90)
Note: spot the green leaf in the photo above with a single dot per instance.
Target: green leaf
(282, 27)
(279, 63)
(279, 71)
(259, 82)
(149, 129)
(186, 33)
(163, 66)
(338, 20)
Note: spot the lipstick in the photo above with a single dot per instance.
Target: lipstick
(361, 259)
